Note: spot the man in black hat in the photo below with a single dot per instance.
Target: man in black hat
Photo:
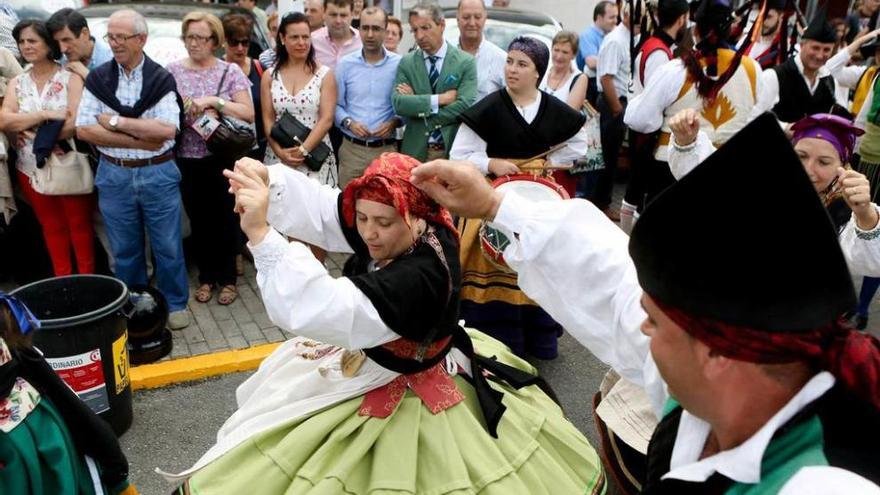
(805, 83)
(712, 79)
(739, 343)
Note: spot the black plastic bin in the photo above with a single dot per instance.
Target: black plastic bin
(83, 337)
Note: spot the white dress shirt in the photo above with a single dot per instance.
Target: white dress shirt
(573, 248)
(441, 56)
(614, 60)
(468, 145)
(490, 68)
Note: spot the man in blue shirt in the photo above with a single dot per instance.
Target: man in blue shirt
(604, 20)
(82, 52)
(365, 80)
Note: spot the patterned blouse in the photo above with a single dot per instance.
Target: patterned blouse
(30, 100)
(196, 83)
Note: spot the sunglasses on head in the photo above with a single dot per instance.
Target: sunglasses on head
(241, 42)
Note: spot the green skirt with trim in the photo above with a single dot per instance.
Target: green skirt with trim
(336, 451)
(39, 457)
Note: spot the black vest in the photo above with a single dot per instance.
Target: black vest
(497, 121)
(851, 436)
(795, 100)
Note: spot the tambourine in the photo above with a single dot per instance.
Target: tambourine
(493, 241)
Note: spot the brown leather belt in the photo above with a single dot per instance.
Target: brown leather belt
(436, 147)
(139, 162)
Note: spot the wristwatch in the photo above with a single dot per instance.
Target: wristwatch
(346, 122)
(114, 122)
(220, 104)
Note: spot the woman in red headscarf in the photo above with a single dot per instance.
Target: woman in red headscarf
(382, 390)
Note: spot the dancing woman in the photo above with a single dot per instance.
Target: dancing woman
(383, 390)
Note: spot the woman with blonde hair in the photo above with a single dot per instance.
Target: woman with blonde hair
(211, 88)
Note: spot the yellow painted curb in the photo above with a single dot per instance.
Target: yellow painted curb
(193, 368)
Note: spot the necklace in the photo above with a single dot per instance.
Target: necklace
(558, 83)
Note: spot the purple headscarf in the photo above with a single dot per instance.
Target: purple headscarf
(536, 50)
(838, 131)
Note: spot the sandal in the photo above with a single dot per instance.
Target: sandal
(228, 294)
(204, 293)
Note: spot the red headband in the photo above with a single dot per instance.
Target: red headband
(851, 356)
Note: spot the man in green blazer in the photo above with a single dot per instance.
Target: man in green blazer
(434, 85)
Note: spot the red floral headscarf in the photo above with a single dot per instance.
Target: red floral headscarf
(386, 181)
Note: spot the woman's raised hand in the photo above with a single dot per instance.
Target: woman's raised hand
(250, 185)
(856, 190)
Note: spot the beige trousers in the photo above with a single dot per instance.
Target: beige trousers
(354, 158)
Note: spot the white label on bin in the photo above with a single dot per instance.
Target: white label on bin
(84, 374)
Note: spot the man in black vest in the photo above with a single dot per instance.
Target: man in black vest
(804, 84)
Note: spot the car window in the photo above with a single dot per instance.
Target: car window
(163, 44)
(502, 33)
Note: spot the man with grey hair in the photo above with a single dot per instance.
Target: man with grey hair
(491, 59)
(131, 112)
(434, 85)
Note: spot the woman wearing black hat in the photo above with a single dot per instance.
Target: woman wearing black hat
(516, 122)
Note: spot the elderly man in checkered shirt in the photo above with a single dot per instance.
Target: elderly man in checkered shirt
(131, 112)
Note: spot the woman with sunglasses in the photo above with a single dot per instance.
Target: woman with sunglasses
(238, 29)
(210, 88)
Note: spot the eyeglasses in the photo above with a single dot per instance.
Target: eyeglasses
(119, 38)
(241, 42)
(194, 38)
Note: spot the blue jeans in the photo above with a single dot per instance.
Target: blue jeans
(132, 200)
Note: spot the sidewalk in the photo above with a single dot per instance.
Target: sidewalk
(242, 324)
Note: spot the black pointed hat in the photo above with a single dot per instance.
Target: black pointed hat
(744, 239)
(716, 14)
(820, 29)
(775, 4)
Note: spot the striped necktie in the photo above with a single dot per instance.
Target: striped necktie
(433, 77)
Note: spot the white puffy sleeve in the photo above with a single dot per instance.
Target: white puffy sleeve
(644, 113)
(575, 147)
(861, 248)
(468, 145)
(302, 208)
(302, 298)
(683, 159)
(574, 262)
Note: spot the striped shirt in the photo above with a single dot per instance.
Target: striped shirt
(128, 93)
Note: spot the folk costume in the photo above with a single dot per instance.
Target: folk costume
(761, 305)
(495, 127)
(390, 396)
(861, 248)
(50, 441)
(653, 54)
(717, 81)
(769, 50)
(788, 93)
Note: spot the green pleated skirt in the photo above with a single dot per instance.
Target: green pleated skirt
(336, 451)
